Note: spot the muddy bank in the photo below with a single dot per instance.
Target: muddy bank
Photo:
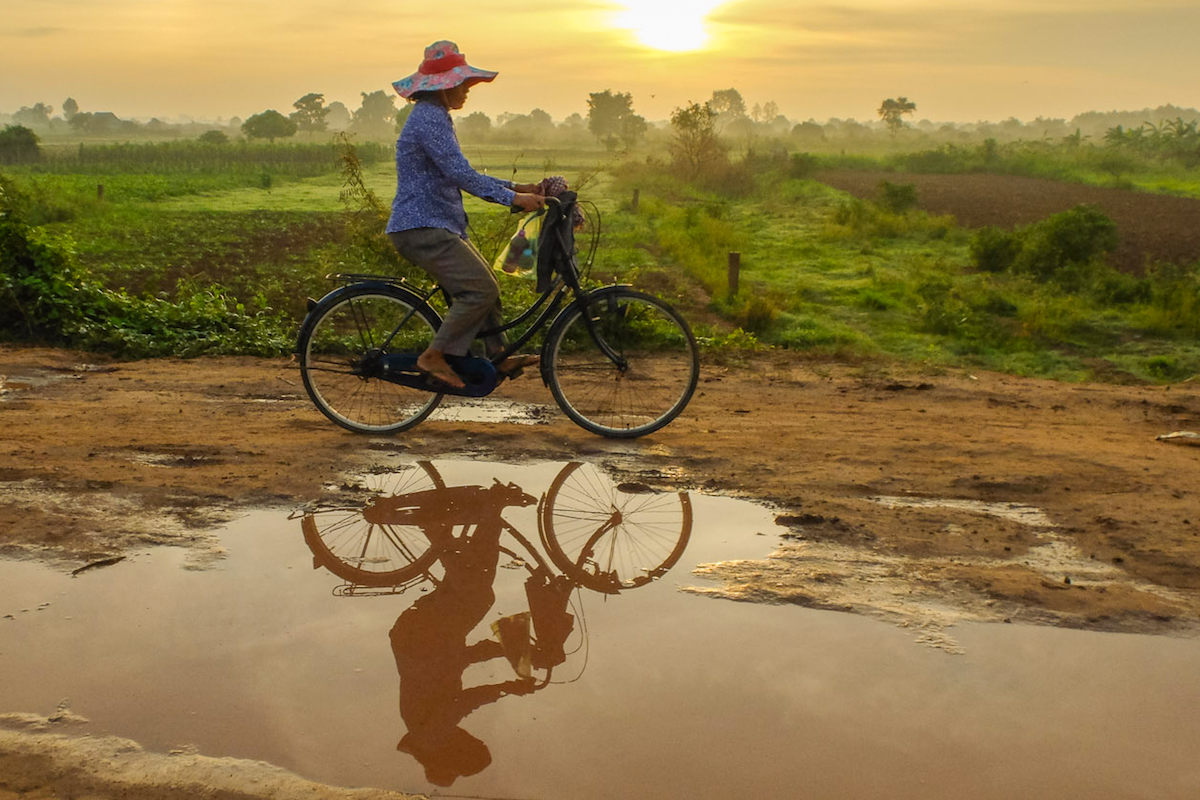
(42, 758)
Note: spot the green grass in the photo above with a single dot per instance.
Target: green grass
(821, 272)
(827, 273)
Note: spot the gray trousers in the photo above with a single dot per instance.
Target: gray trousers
(459, 267)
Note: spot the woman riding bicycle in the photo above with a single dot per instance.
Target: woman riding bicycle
(428, 225)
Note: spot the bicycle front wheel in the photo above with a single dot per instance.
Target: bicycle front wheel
(341, 351)
(652, 379)
(609, 537)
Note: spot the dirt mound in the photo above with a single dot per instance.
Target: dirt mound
(1152, 227)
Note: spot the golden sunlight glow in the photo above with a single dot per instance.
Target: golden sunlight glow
(668, 24)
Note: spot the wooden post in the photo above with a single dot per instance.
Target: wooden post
(100, 192)
(735, 268)
(637, 193)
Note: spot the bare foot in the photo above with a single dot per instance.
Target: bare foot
(433, 363)
(514, 364)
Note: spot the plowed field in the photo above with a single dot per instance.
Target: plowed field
(1152, 227)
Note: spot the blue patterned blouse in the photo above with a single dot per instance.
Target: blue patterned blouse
(432, 173)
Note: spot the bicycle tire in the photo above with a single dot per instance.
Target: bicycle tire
(366, 553)
(608, 539)
(661, 363)
(340, 337)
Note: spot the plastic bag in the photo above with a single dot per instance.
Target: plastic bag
(519, 256)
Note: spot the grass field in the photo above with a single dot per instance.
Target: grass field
(820, 271)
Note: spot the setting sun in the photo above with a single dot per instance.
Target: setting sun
(667, 24)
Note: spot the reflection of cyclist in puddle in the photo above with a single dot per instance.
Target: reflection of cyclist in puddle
(603, 537)
(429, 641)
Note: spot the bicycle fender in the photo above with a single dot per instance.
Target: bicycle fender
(316, 308)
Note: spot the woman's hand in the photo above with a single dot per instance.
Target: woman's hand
(527, 188)
(528, 201)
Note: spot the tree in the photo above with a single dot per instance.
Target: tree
(611, 118)
(728, 103)
(310, 112)
(376, 116)
(269, 125)
(213, 137)
(694, 140)
(37, 116)
(337, 116)
(70, 108)
(893, 111)
(474, 127)
(19, 145)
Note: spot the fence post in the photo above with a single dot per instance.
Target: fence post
(637, 193)
(100, 192)
(735, 268)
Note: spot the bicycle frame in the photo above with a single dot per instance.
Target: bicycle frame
(567, 283)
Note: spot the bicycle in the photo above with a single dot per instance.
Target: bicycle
(619, 362)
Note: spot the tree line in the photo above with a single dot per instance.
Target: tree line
(611, 119)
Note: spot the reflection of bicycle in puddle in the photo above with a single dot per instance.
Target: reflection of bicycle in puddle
(603, 537)
(412, 529)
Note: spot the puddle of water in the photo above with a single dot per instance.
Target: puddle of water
(655, 692)
(15, 386)
(492, 410)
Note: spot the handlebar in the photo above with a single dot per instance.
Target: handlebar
(516, 209)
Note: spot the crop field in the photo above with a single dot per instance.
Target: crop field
(1152, 227)
(830, 263)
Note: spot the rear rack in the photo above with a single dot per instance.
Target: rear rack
(354, 277)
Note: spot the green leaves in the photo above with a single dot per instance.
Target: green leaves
(45, 295)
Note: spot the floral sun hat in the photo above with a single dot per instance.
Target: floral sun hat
(443, 68)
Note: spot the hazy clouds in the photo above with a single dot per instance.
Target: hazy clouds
(989, 59)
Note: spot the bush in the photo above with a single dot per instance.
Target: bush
(19, 145)
(46, 296)
(1064, 245)
(994, 249)
(803, 165)
(213, 137)
(897, 198)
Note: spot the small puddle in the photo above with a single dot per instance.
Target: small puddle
(492, 411)
(519, 632)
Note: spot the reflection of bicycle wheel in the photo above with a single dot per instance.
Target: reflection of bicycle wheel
(372, 545)
(611, 537)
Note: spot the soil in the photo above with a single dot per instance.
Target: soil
(918, 497)
(1152, 227)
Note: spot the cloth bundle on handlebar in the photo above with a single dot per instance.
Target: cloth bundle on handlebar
(556, 242)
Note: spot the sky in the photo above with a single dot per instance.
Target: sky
(958, 60)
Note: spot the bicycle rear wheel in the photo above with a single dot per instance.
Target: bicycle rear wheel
(653, 380)
(375, 545)
(341, 350)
